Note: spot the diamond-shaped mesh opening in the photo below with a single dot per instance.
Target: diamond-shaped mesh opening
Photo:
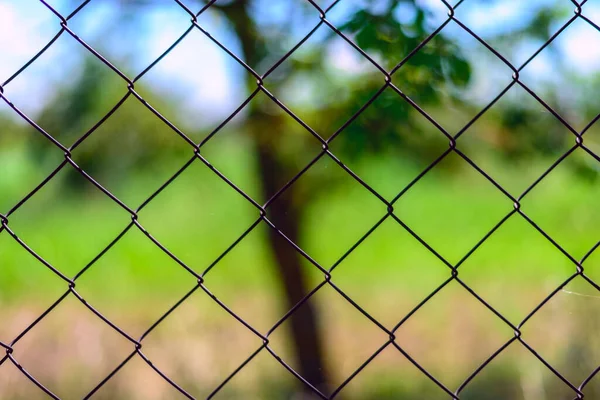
(507, 31)
(89, 221)
(92, 89)
(390, 375)
(435, 334)
(388, 153)
(497, 380)
(70, 349)
(119, 140)
(389, 273)
(197, 235)
(516, 141)
(338, 318)
(280, 134)
(244, 279)
(518, 374)
(440, 79)
(386, 31)
(570, 346)
(263, 378)
(569, 102)
(129, 269)
(182, 346)
(572, 218)
(123, 38)
(326, 182)
(515, 269)
(280, 37)
(197, 75)
(137, 380)
(227, 152)
(324, 82)
(454, 219)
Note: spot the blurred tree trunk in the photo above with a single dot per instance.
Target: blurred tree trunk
(285, 213)
(286, 216)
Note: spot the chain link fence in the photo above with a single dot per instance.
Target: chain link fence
(328, 273)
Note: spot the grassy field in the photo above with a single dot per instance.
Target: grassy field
(199, 216)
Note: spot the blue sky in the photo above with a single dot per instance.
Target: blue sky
(202, 75)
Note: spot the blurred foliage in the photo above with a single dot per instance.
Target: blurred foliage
(131, 138)
(437, 71)
(427, 72)
(135, 139)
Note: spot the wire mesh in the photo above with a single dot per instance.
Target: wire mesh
(388, 211)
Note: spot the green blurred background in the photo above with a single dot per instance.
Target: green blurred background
(197, 86)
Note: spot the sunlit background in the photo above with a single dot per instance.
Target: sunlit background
(324, 83)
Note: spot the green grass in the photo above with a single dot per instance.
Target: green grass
(199, 216)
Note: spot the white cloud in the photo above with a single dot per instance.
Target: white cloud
(24, 30)
(196, 69)
(203, 75)
(581, 43)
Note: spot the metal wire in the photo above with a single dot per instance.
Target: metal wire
(129, 90)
